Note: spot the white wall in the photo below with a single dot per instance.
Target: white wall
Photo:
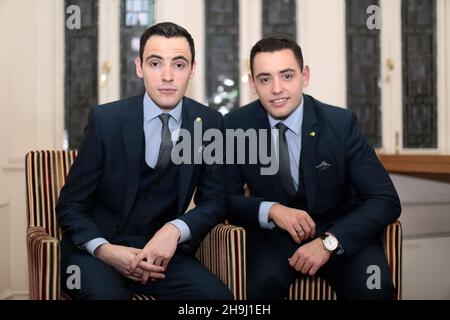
(31, 108)
(426, 237)
(4, 248)
(321, 35)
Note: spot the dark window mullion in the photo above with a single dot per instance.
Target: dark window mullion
(222, 53)
(419, 74)
(279, 18)
(135, 18)
(363, 70)
(80, 75)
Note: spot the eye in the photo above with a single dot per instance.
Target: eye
(179, 65)
(288, 76)
(154, 64)
(263, 80)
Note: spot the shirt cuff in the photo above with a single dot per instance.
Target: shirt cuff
(263, 217)
(185, 232)
(93, 244)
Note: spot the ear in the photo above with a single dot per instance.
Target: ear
(252, 83)
(139, 72)
(306, 74)
(191, 75)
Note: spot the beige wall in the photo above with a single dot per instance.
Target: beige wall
(31, 101)
(425, 221)
(321, 26)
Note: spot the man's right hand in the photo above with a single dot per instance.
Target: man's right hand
(296, 222)
(120, 258)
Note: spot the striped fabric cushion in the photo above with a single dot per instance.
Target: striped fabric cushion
(46, 173)
(223, 253)
(315, 288)
(392, 242)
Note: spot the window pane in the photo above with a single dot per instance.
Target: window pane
(80, 82)
(279, 18)
(136, 17)
(419, 74)
(363, 70)
(222, 53)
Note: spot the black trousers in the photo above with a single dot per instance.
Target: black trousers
(269, 274)
(185, 278)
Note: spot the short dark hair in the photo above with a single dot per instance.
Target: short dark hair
(167, 30)
(276, 43)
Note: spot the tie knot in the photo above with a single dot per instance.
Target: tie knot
(281, 126)
(164, 117)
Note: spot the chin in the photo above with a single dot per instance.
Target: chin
(168, 104)
(278, 114)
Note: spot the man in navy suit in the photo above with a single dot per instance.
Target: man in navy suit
(325, 209)
(122, 210)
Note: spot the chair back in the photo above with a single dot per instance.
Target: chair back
(46, 173)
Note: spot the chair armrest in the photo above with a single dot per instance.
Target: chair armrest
(392, 243)
(43, 264)
(222, 251)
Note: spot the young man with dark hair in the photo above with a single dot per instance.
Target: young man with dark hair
(122, 210)
(326, 208)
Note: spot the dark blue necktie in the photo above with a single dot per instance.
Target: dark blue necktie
(166, 146)
(284, 170)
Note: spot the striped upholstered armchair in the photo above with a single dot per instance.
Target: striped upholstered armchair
(46, 173)
(222, 251)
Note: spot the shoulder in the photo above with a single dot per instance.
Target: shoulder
(328, 112)
(243, 116)
(117, 107)
(201, 110)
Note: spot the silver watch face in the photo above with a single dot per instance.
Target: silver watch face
(330, 243)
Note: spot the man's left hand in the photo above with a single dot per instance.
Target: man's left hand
(158, 251)
(309, 258)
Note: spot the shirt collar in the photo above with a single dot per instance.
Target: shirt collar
(151, 110)
(293, 122)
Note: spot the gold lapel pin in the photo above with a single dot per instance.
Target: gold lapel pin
(312, 133)
(198, 119)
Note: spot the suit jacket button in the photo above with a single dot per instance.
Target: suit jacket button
(150, 197)
(115, 230)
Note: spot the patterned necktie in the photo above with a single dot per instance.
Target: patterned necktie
(284, 170)
(166, 146)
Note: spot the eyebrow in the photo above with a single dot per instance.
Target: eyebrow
(155, 56)
(262, 74)
(265, 74)
(287, 70)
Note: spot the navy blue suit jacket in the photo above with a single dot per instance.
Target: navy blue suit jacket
(102, 183)
(354, 198)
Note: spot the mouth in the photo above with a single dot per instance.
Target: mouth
(167, 90)
(279, 102)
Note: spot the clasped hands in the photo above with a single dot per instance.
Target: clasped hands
(143, 264)
(309, 257)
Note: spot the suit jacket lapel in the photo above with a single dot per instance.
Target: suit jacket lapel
(186, 170)
(133, 136)
(308, 159)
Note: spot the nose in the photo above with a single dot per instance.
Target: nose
(276, 86)
(167, 74)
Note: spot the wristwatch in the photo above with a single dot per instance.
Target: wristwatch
(330, 243)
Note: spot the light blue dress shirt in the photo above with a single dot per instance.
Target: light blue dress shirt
(152, 132)
(294, 141)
